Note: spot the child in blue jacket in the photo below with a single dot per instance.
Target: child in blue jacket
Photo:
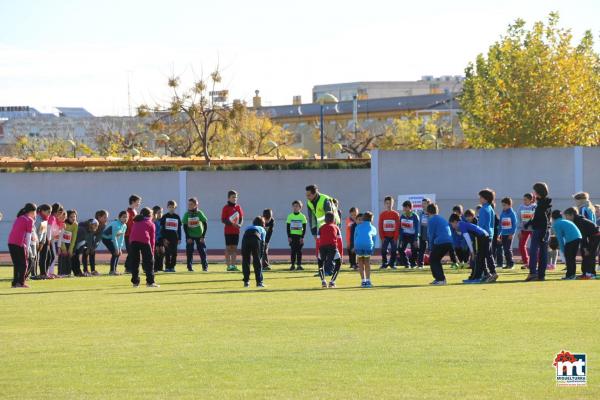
(409, 235)
(364, 243)
(486, 221)
(569, 240)
(508, 227)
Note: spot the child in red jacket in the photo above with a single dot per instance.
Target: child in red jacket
(328, 249)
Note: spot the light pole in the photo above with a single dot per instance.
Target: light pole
(163, 137)
(74, 146)
(326, 98)
(274, 146)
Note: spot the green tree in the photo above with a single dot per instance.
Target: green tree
(532, 89)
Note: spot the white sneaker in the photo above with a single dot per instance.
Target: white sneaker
(136, 285)
(153, 285)
(438, 283)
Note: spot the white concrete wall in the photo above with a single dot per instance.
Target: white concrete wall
(89, 191)
(456, 176)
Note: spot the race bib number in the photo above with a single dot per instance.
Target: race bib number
(526, 215)
(389, 225)
(67, 236)
(407, 224)
(296, 225)
(235, 217)
(193, 222)
(171, 224)
(506, 223)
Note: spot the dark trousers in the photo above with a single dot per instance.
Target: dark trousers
(64, 264)
(128, 258)
(482, 256)
(496, 248)
(265, 255)
(19, 261)
(504, 252)
(538, 253)
(45, 258)
(351, 257)
(252, 248)
(438, 251)
(143, 251)
(571, 249)
(189, 251)
(114, 259)
(330, 257)
(388, 242)
(405, 241)
(588, 265)
(422, 247)
(88, 256)
(171, 253)
(462, 254)
(75, 264)
(159, 256)
(296, 250)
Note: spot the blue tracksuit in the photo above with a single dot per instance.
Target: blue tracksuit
(409, 225)
(438, 231)
(587, 213)
(364, 237)
(508, 222)
(565, 231)
(486, 219)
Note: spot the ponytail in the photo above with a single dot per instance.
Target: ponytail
(29, 207)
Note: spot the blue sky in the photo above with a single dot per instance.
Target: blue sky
(83, 53)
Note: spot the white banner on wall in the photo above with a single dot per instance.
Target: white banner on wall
(415, 199)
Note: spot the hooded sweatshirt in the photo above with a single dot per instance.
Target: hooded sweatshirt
(541, 216)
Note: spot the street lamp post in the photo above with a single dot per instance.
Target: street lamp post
(326, 98)
(163, 137)
(74, 146)
(274, 146)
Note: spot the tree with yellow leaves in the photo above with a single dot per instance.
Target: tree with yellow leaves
(533, 89)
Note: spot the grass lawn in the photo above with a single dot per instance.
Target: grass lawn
(202, 336)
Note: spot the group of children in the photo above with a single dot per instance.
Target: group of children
(480, 239)
(48, 242)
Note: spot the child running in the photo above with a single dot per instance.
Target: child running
(296, 229)
(195, 225)
(389, 233)
(19, 241)
(113, 238)
(328, 249)
(364, 243)
(232, 217)
(253, 243)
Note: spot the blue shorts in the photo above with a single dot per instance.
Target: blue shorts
(363, 252)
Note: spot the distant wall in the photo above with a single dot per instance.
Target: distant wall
(456, 176)
(90, 191)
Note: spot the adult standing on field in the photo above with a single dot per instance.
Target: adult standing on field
(318, 205)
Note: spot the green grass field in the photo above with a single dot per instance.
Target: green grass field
(202, 336)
